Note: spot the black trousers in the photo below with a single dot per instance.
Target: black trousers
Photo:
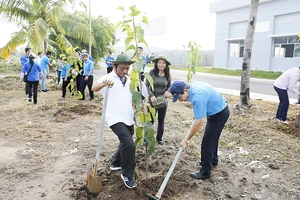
(109, 69)
(78, 81)
(125, 155)
(161, 112)
(88, 83)
(209, 147)
(33, 86)
(64, 86)
(27, 89)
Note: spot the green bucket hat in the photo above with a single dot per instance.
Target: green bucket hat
(122, 59)
(162, 57)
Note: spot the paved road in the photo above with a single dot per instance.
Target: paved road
(259, 88)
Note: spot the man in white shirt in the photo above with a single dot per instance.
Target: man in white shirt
(283, 83)
(119, 116)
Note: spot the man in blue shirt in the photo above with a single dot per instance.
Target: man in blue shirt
(90, 57)
(87, 76)
(44, 64)
(24, 59)
(207, 102)
(109, 63)
(139, 53)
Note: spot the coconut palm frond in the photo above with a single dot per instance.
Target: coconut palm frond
(63, 41)
(38, 32)
(56, 12)
(76, 30)
(15, 10)
(17, 39)
(54, 44)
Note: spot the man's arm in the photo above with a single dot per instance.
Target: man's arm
(101, 84)
(194, 129)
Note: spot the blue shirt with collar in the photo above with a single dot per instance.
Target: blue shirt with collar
(24, 59)
(44, 62)
(109, 59)
(64, 70)
(145, 61)
(34, 72)
(206, 100)
(87, 67)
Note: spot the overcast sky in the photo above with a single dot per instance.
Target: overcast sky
(185, 20)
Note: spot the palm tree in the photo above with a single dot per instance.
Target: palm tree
(38, 19)
(245, 79)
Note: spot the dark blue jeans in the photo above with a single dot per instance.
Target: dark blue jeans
(125, 155)
(283, 105)
(58, 76)
(209, 147)
(33, 86)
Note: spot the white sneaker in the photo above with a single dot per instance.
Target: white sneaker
(284, 122)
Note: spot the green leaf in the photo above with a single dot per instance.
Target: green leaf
(138, 66)
(127, 41)
(151, 147)
(145, 20)
(149, 78)
(136, 98)
(152, 111)
(134, 76)
(145, 117)
(143, 41)
(118, 24)
(121, 8)
(133, 86)
(130, 47)
(139, 136)
(140, 34)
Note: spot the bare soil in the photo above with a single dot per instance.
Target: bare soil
(47, 151)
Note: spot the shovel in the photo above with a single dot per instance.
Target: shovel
(164, 184)
(94, 182)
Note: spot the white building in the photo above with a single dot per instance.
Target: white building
(276, 46)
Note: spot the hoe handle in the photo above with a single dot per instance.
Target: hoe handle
(163, 185)
(102, 124)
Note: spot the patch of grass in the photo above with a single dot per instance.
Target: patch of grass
(211, 70)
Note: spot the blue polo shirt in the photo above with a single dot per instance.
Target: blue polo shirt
(44, 62)
(24, 59)
(64, 70)
(87, 67)
(109, 59)
(34, 72)
(206, 100)
(145, 61)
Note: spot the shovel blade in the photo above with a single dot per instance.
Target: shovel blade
(297, 121)
(152, 197)
(94, 184)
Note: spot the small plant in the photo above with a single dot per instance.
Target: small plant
(142, 115)
(194, 57)
(75, 63)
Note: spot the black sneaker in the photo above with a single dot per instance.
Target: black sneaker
(199, 175)
(30, 99)
(128, 182)
(114, 168)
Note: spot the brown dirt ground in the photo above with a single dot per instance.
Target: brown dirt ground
(47, 151)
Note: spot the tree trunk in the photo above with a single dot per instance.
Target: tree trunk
(245, 79)
(45, 46)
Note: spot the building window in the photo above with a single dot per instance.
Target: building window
(291, 17)
(239, 25)
(236, 48)
(286, 47)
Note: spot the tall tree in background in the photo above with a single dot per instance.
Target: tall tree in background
(38, 19)
(104, 35)
(245, 79)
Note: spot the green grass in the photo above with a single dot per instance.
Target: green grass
(211, 70)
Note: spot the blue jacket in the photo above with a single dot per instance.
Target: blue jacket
(34, 72)
(108, 59)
